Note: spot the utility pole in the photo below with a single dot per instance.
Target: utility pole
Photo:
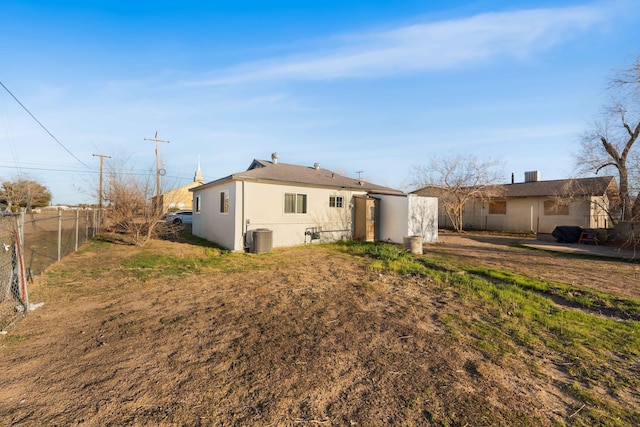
(158, 170)
(102, 157)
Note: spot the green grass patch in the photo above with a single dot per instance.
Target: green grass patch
(386, 257)
(592, 333)
(583, 297)
(149, 264)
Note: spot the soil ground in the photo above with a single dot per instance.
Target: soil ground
(305, 336)
(551, 262)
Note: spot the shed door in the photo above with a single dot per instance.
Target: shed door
(366, 219)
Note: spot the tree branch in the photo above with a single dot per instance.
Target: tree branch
(604, 166)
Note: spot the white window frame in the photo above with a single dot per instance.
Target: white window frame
(224, 202)
(298, 197)
(336, 202)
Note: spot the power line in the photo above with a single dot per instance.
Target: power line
(43, 127)
(148, 173)
(49, 169)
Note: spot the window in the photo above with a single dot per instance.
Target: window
(498, 207)
(336, 201)
(198, 205)
(224, 202)
(555, 207)
(295, 203)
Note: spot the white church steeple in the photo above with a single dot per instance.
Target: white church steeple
(198, 176)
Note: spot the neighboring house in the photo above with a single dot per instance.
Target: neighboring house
(181, 197)
(300, 204)
(539, 206)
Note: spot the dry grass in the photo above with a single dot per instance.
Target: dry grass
(177, 334)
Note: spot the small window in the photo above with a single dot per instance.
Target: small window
(498, 207)
(336, 201)
(295, 203)
(224, 202)
(555, 207)
(197, 204)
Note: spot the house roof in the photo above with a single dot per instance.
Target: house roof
(283, 173)
(595, 186)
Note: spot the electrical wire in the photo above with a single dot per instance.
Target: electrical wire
(90, 172)
(43, 127)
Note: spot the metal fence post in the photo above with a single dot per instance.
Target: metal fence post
(21, 226)
(77, 223)
(23, 278)
(59, 234)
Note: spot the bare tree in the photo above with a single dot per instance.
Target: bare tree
(455, 181)
(130, 199)
(600, 193)
(610, 141)
(24, 192)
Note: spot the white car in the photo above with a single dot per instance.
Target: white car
(179, 217)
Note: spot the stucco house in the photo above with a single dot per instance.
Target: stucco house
(540, 206)
(181, 197)
(302, 204)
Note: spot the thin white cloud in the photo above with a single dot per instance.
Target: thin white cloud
(428, 46)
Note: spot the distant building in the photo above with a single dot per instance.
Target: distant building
(181, 198)
(539, 206)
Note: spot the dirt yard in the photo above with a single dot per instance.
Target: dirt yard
(602, 274)
(305, 336)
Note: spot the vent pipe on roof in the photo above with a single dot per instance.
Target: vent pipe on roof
(275, 157)
(513, 178)
(316, 166)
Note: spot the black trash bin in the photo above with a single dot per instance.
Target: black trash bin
(567, 233)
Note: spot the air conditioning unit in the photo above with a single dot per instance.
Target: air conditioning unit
(262, 241)
(532, 176)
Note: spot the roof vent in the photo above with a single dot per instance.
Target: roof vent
(532, 176)
(316, 166)
(275, 157)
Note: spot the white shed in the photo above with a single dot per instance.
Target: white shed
(407, 215)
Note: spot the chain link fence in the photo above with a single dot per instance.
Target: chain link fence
(14, 301)
(30, 243)
(51, 235)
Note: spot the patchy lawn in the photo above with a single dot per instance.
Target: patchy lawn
(352, 334)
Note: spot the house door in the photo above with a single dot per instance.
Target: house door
(366, 219)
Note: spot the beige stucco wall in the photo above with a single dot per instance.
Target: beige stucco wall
(179, 198)
(263, 207)
(257, 205)
(527, 215)
(209, 223)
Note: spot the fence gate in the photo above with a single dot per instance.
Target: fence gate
(14, 300)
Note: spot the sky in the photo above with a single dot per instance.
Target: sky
(369, 88)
